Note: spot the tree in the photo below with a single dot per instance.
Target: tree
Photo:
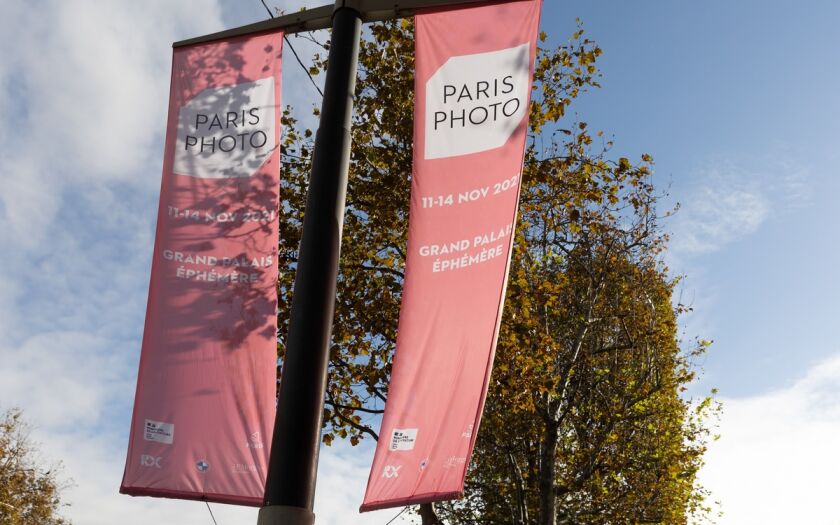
(589, 367)
(589, 364)
(29, 493)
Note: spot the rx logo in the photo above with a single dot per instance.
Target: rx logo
(202, 465)
(149, 461)
(254, 441)
(390, 471)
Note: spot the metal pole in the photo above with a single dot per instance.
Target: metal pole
(293, 464)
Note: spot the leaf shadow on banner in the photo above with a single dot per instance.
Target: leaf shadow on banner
(234, 203)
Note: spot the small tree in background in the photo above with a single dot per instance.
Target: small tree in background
(29, 491)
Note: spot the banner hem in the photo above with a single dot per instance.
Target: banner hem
(412, 500)
(177, 494)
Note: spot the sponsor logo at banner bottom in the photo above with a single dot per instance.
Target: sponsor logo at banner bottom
(254, 441)
(391, 471)
(403, 438)
(243, 468)
(148, 461)
(467, 434)
(202, 465)
(454, 461)
(159, 432)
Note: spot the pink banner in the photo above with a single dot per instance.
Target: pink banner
(204, 407)
(473, 80)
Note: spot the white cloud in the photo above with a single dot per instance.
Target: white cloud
(84, 83)
(777, 459)
(721, 211)
(734, 200)
(79, 372)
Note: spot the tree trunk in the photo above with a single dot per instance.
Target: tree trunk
(428, 516)
(548, 462)
(521, 504)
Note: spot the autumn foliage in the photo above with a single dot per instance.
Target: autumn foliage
(586, 420)
(29, 490)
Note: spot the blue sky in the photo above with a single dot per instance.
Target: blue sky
(736, 101)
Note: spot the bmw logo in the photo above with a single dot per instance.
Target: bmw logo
(202, 465)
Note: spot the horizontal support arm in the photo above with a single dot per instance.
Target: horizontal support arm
(321, 17)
